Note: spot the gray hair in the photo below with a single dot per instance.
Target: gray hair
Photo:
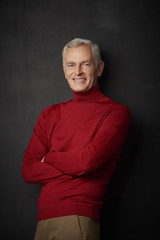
(79, 42)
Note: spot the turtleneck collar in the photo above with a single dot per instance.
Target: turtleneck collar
(93, 94)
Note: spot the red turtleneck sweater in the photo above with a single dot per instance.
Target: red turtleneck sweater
(81, 140)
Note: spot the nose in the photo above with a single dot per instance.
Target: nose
(78, 69)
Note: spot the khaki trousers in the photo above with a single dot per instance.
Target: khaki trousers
(72, 227)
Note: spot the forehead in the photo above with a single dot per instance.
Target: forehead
(83, 52)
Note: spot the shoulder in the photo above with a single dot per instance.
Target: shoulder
(115, 105)
(117, 111)
(53, 109)
(52, 113)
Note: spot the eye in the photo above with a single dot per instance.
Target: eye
(70, 65)
(86, 64)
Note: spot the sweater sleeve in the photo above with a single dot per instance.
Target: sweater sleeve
(107, 143)
(33, 170)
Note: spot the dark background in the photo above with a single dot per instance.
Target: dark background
(32, 35)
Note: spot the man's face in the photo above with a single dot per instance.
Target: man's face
(80, 68)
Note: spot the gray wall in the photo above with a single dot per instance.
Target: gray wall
(32, 35)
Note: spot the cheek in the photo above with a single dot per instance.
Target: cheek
(93, 75)
(67, 74)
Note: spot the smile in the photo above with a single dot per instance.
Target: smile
(79, 79)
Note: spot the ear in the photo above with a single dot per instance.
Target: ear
(100, 69)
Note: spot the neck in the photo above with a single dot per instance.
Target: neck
(93, 94)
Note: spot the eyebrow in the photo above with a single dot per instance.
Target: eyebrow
(71, 62)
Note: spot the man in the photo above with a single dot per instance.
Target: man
(74, 150)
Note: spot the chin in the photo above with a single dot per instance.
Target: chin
(79, 89)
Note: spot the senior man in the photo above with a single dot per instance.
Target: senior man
(74, 150)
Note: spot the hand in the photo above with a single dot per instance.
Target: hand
(42, 160)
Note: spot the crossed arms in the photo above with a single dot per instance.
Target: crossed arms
(42, 164)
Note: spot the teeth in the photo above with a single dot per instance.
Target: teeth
(79, 79)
